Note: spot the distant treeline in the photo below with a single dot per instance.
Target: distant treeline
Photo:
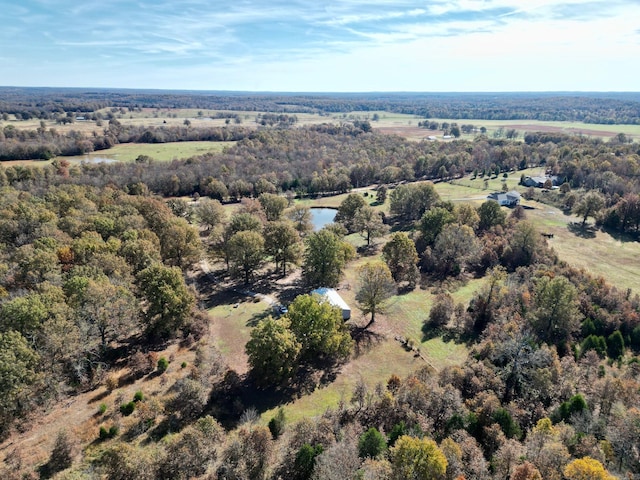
(601, 108)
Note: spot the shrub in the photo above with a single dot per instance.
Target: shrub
(102, 408)
(183, 365)
(138, 396)
(276, 424)
(110, 433)
(163, 364)
(111, 383)
(127, 409)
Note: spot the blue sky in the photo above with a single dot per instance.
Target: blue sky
(311, 45)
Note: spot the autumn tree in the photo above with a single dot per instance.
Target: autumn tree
(273, 351)
(375, 287)
(273, 205)
(348, 209)
(301, 218)
(401, 257)
(107, 311)
(210, 213)
(586, 468)
(368, 222)
(18, 370)
(319, 328)
(169, 302)
(590, 206)
(419, 459)
(454, 246)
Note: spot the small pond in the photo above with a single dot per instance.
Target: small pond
(322, 216)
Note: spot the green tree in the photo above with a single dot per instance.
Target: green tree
(491, 215)
(210, 213)
(348, 209)
(282, 242)
(241, 222)
(368, 222)
(305, 461)
(169, 302)
(273, 351)
(180, 244)
(319, 328)
(417, 459)
(433, 221)
(523, 245)
(590, 206)
(18, 364)
(615, 345)
(401, 257)
(301, 218)
(371, 443)
(555, 314)
(375, 287)
(273, 205)
(324, 258)
(246, 253)
(381, 194)
(409, 202)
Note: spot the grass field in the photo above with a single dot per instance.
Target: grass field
(128, 152)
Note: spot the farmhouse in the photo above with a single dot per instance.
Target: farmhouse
(334, 299)
(509, 199)
(539, 181)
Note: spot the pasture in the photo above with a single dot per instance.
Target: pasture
(162, 152)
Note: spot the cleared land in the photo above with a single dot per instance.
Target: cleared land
(163, 152)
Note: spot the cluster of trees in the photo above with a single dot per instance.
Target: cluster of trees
(312, 331)
(82, 272)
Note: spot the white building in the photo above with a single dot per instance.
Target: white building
(334, 299)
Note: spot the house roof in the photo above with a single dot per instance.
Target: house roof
(333, 297)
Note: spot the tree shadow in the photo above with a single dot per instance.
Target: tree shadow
(235, 394)
(258, 317)
(582, 231)
(624, 237)
(364, 339)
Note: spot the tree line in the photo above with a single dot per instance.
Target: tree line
(602, 108)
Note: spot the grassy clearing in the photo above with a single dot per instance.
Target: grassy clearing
(163, 152)
(231, 324)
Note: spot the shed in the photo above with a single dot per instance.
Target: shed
(330, 295)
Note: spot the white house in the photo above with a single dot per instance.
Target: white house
(334, 299)
(509, 199)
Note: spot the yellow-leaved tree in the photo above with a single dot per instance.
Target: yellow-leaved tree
(587, 468)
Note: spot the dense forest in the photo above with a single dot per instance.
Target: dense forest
(603, 108)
